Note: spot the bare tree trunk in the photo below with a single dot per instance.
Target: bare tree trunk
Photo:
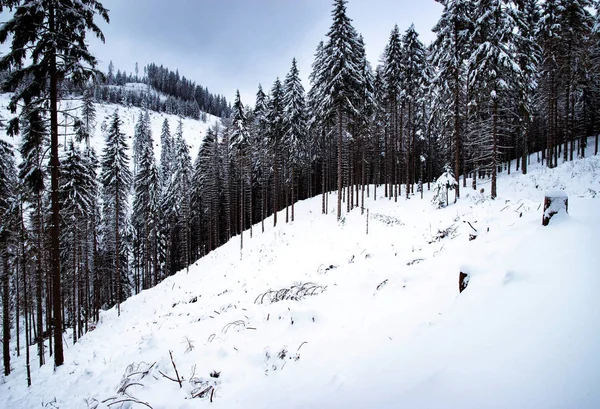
(363, 180)
(74, 287)
(323, 187)
(117, 250)
(275, 183)
(39, 281)
(494, 148)
(55, 233)
(5, 311)
(293, 180)
(241, 162)
(250, 204)
(17, 304)
(25, 297)
(339, 163)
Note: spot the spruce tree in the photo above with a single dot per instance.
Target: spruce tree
(48, 45)
(494, 73)
(393, 75)
(146, 205)
(8, 195)
(414, 69)
(294, 122)
(276, 131)
(116, 181)
(450, 51)
(342, 80)
(32, 172)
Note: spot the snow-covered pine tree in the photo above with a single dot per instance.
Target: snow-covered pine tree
(79, 196)
(93, 227)
(276, 131)
(363, 123)
(528, 54)
(441, 186)
(141, 135)
(414, 61)
(207, 174)
(595, 73)
(317, 119)
(342, 80)
(393, 78)
(49, 45)
(262, 157)
(449, 52)
(550, 37)
(178, 203)
(32, 173)
(238, 145)
(8, 186)
(87, 122)
(295, 133)
(495, 72)
(577, 24)
(146, 206)
(166, 154)
(116, 182)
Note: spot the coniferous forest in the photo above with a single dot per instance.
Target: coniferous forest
(83, 230)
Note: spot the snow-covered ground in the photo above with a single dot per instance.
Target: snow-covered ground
(381, 326)
(193, 130)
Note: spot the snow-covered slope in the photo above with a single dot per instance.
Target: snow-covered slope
(193, 130)
(383, 324)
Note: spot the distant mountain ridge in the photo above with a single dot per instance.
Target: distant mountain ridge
(161, 90)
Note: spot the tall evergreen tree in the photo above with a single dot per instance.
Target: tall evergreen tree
(238, 143)
(7, 204)
(177, 203)
(342, 80)
(166, 154)
(146, 206)
(450, 51)
(495, 73)
(528, 54)
(294, 121)
(414, 71)
(48, 45)
(116, 181)
(32, 172)
(393, 75)
(276, 131)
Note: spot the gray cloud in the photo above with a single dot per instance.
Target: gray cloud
(231, 44)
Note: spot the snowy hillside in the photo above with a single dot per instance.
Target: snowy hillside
(372, 321)
(193, 130)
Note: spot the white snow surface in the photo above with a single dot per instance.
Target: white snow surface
(193, 130)
(390, 329)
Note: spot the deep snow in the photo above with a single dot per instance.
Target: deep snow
(390, 328)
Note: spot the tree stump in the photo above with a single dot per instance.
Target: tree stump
(554, 202)
(463, 281)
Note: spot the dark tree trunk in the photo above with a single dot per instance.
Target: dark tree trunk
(339, 163)
(55, 233)
(494, 148)
(39, 281)
(5, 311)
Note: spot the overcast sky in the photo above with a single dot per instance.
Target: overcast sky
(236, 44)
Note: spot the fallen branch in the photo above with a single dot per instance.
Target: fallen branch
(128, 400)
(233, 324)
(168, 377)
(176, 373)
(472, 226)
